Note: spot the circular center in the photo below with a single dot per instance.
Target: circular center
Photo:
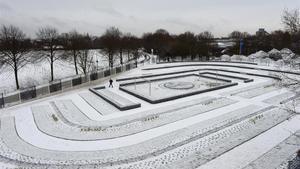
(179, 85)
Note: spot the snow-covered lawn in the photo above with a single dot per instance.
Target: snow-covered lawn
(38, 72)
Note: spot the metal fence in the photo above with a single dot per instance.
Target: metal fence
(118, 69)
(93, 76)
(77, 81)
(28, 93)
(1, 101)
(57, 86)
(106, 73)
(294, 164)
(127, 67)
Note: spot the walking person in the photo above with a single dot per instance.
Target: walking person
(111, 83)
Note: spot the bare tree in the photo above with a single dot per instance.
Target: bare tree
(291, 20)
(238, 35)
(204, 40)
(85, 61)
(109, 44)
(130, 44)
(48, 37)
(292, 83)
(14, 49)
(72, 44)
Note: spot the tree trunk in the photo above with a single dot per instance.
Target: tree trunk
(16, 75)
(51, 66)
(128, 56)
(75, 61)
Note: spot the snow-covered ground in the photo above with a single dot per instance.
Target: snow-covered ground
(231, 128)
(38, 72)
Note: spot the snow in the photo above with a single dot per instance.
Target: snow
(225, 58)
(41, 71)
(232, 127)
(249, 151)
(156, 90)
(274, 51)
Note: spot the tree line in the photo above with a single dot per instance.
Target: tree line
(16, 49)
(278, 39)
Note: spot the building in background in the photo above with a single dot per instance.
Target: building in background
(261, 32)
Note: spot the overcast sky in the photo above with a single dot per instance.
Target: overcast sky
(137, 16)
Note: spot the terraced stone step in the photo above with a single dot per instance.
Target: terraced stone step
(278, 156)
(115, 99)
(211, 134)
(253, 91)
(70, 126)
(99, 104)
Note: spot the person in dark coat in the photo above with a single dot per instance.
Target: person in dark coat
(111, 83)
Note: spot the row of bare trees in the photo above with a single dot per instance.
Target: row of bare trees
(114, 43)
(17, 50)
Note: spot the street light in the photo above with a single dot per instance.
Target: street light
(97, 64)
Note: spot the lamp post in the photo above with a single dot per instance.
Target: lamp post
(97, 64)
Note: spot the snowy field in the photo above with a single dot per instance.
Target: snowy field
(239, 127)
(38, 72)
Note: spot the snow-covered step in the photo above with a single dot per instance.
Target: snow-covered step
(278, 156)
(253, 90)
(148, 149)
(74, 127)
(155, 150)
(102, 106)
(228, 138)
(116, 100)
(280, 98)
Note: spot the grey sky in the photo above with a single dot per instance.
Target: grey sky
(138, 16)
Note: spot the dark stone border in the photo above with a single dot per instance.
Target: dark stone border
(235, 66)
(187, 71)
(246, 80)
(121, 87)
(248, 63)
(115, 104)
(174, 77)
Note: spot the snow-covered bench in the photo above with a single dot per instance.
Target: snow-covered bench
(116, 100)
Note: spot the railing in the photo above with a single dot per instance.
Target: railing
(59, 86)
(294, 164)
(1, 100)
